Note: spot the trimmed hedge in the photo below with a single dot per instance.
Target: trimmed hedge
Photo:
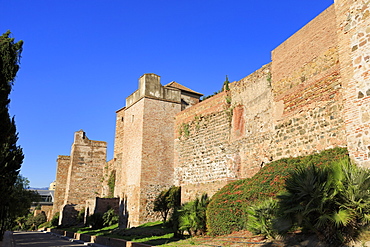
(227, 210)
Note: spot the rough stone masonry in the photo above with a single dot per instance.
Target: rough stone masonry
(314, 95)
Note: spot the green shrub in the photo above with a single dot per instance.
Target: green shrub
(193, 216)
(110, 218)
(167, 200)
(81, 215)
(95, 220)
(55, 220)
(227, 210)
(33, 222)
(333, 202)
(261, 217)
(45, 224)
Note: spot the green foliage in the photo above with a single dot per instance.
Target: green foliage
(11, 155)
(184, 130)
(226, 85)
(80, 215)
(332, 201)
(261, 216)
(45, 225)
(209, 96)
(193, 216)
(110, 218)
(33, 222)
(21, 199)
(167, 200)
(269, 78)
(55, 220)
(227, 210)
(95, 220)
(112, 183)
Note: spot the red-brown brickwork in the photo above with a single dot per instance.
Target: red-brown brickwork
(304, 46)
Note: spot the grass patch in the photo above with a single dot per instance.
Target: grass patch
(152, 233)
(105, 231)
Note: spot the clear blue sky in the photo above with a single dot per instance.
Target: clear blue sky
(82, 58)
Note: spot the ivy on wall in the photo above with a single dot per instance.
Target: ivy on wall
(111, 183)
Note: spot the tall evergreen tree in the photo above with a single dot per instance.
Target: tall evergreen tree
(11, 155)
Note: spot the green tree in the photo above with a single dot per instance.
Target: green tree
(21, 198)
(11, 155)
(167, 200)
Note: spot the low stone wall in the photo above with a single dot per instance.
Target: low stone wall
(82, 237)
(112, 242)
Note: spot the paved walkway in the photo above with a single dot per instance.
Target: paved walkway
(40, 239)
(7, 240)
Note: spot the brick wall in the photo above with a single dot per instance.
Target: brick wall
(147, 157)
(129, 184)
(201, 147)
(290, 107)
(157, 153)
(83, 179)
(85, 172)
(118, 140)
(304, 46)
(353, 21)
(61, 182)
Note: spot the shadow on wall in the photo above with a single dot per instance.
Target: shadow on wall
(68, 216)
(123, 213)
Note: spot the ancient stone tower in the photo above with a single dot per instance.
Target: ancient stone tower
(79, 176)
(144, 145)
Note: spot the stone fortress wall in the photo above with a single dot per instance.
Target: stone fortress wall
(314, 95)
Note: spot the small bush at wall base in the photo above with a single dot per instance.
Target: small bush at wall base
(331, 201)
(95, 221)
(193, 216)
(261, 217)
(227, 210)
(110, 218)
(55, 220)
(81, 215)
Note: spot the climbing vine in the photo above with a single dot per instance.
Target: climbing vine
(112, 183)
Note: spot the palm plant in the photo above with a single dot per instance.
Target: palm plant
(332, 202)
(261, 216)
(193, 216)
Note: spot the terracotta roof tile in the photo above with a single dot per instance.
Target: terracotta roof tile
(174, 84)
